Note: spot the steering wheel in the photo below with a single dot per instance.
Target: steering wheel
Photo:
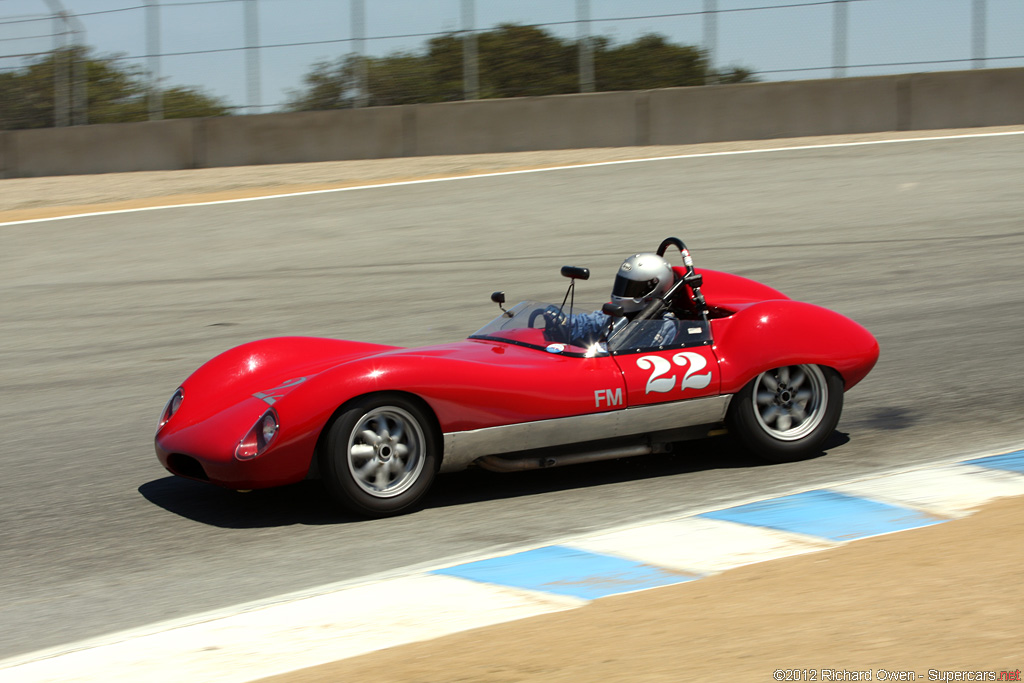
(556, 326)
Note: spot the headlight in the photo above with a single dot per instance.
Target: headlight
(258, 438)
(171, 408)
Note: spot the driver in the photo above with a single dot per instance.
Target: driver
(640, 279)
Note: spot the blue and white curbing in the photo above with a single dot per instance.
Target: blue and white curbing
(296, 633)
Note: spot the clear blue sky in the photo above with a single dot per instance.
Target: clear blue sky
(773, 39)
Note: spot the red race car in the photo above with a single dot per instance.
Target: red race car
(677, 353)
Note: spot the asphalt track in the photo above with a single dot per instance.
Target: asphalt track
(103, 316)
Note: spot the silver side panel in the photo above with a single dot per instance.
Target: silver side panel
(462, 448)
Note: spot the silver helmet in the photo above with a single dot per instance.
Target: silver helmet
(641, 277)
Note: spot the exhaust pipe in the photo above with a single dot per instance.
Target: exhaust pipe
(495, 463)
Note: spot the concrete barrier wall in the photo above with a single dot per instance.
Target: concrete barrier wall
(752, 112)
(303, 136)
(527, 123)
(104, 148)
(991, 97)
(958, 99)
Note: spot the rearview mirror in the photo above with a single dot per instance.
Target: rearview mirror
(498, 297)
(576, 272)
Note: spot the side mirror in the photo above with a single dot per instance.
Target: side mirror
(613, 310)
(499, 298)
(576, 272)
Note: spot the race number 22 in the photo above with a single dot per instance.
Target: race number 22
(662, 382)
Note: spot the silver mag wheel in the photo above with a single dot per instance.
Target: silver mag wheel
(788, 412)
(789, 402)
(386, 451)
(380, 455)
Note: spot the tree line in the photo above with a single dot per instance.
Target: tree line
(113, 92)
(513, 61)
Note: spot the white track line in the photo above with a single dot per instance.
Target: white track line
(403, 183)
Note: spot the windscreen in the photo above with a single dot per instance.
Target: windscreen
(524, 325)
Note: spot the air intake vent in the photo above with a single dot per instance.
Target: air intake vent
(186, 466)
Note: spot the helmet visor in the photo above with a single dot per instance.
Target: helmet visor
(633, 289)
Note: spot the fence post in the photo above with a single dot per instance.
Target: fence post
(156, 98)
(711, 34)
(470, 63)
(61, 65)
(839, 29)
(585, 45)
(252, 51)
(978, 33)
(79, 91)
(359, 43)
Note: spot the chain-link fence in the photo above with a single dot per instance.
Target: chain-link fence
(253, 56)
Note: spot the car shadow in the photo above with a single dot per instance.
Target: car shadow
(307, 503)
(304, 503)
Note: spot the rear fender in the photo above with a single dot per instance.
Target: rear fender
(727, 290)
(771, 334)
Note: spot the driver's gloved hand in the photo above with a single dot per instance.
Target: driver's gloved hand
(553, 317)
(556, 326)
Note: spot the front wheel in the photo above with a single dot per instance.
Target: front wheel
(380, 455)
(787, 413)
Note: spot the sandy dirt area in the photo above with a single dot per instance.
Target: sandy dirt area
(947, 598)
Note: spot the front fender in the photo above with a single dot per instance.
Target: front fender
(225, 397)
(771, 334)
(266, 369)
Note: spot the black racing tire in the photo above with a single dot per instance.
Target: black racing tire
(787, 413)
(381, 455)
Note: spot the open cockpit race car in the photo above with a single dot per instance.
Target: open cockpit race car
(538, 386)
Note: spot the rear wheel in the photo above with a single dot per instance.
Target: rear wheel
(787, 413)
(380, 455)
